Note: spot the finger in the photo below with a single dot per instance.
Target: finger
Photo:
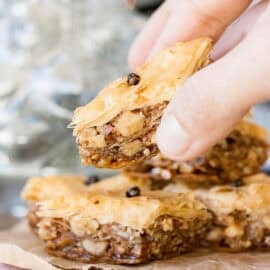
(193, 19)
(145, 40)
(238, 30)
(209, 105)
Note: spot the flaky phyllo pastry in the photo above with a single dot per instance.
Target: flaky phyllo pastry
(241, 212)
(118, 127)
(92, 223)
(43, 188)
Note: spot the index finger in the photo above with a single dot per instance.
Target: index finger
(188, 19)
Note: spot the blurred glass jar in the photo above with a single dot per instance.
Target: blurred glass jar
(54, 56)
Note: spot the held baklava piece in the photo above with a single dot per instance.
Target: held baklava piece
(241, 212)
(240, 154)
(118, 127)
(121, 226)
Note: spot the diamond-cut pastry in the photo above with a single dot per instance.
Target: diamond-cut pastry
(241, 212)
(88, 224)
(118, 127)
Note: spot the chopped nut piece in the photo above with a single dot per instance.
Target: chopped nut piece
(215, 235)
(97, 141)
(146, 152)
(95, 248)
(132, 148)
(234, 231)
(84, 227)
(167, 225)
(129, 123)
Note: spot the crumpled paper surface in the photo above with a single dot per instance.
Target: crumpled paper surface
(19, 247)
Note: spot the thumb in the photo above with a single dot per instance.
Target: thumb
(209, 105)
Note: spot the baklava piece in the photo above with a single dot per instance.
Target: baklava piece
(49, 187)
(118, 127)
(240, 154)
(241, 212)
(122, 227)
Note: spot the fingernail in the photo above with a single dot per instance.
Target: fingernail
(173, 141)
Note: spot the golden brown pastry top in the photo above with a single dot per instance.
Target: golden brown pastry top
(158, 80)
(81, 205)
(253, 195)
(249, 128)
(45, 188)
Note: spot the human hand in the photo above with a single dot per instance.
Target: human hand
(210, 103)
(8, 267)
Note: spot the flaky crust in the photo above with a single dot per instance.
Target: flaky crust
(80, 205)
(247, 128)
(159, 78)
(241, 212)
(252, 196)
(46, 188)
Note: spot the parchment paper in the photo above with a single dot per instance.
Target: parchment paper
(19, 247)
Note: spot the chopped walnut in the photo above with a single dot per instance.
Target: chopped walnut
(87, 132)
(146, 152)
(153, 138)
(80, 228)
(84, 152)
(97, 141)
(129, 123)
(131, 148)
(45, 230)
(95, 247)
(185, 167)
(167, 225)
(215, 235)
(234, 231)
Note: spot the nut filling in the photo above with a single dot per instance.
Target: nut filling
(128, 138)
(166, 237)
(118, 127)
(240, 231)
(236, 156)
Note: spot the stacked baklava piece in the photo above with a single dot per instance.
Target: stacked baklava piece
(155, 208)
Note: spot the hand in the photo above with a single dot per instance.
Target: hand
(8, 267)
(209, 105)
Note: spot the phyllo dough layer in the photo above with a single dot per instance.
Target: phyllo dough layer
(118, 127)
(120, 226)
(241, 212)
